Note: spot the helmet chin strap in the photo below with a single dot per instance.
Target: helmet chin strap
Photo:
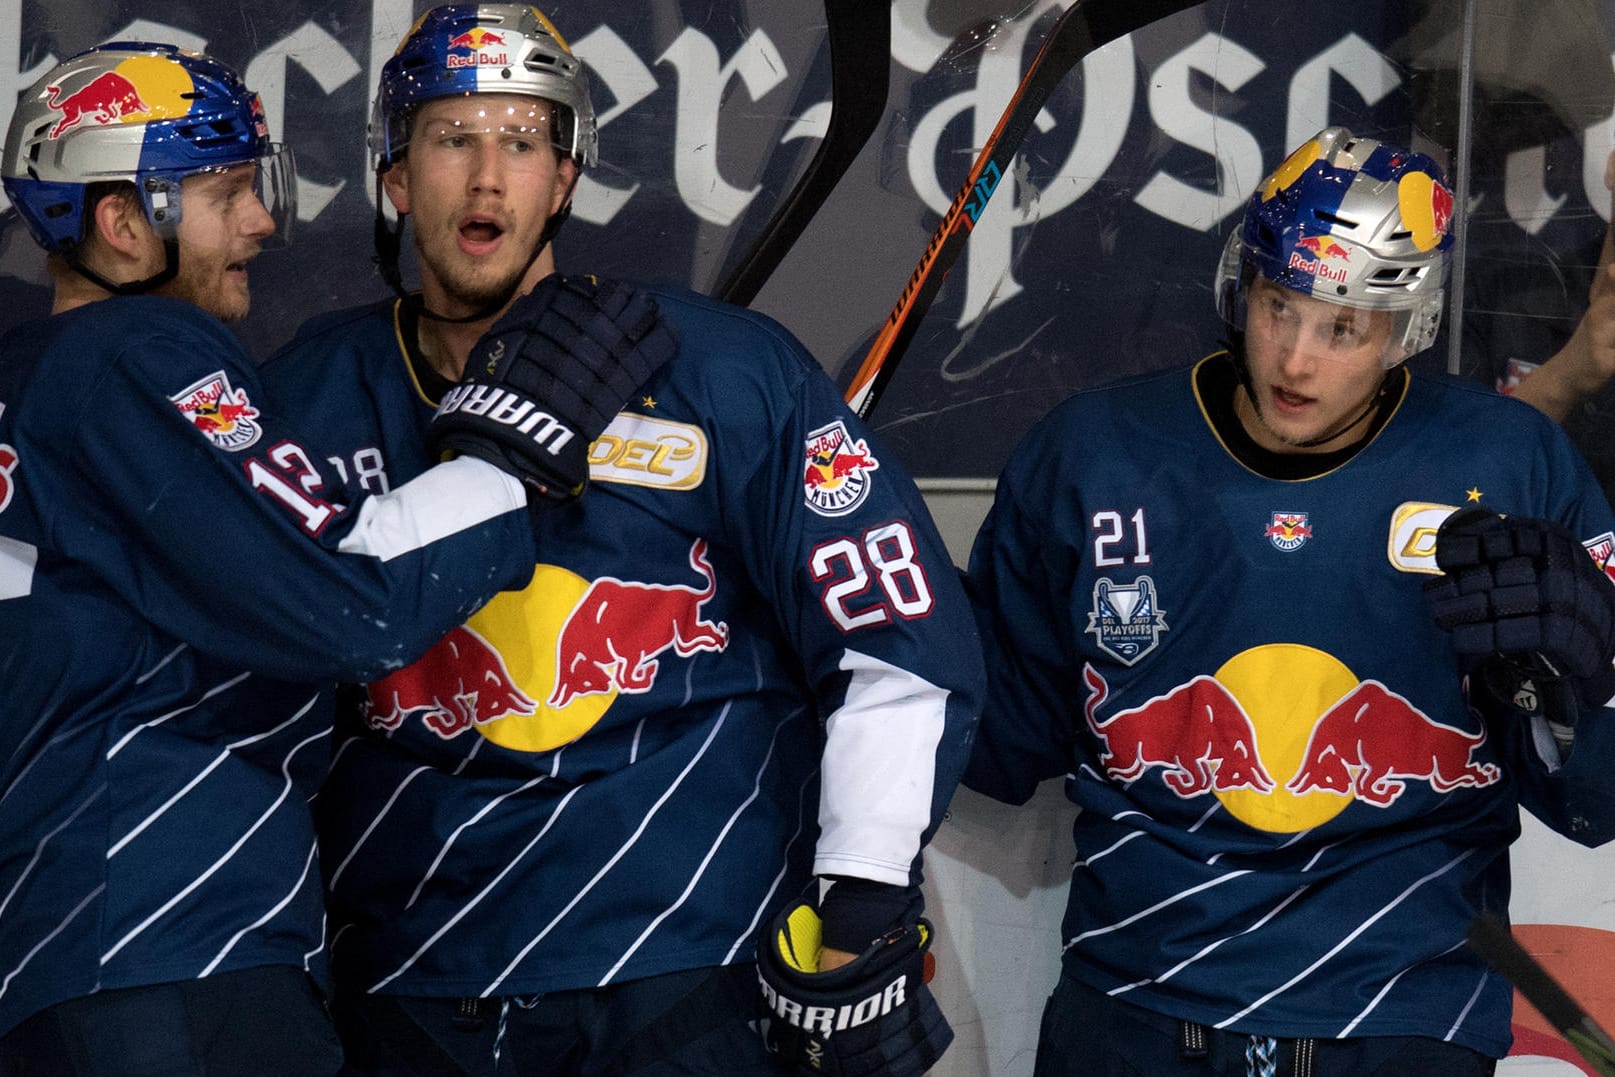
(134, 287)
(389, 245)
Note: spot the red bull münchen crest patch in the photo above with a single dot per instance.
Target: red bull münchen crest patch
(1288, 531)
(836, 479)
(220, 411)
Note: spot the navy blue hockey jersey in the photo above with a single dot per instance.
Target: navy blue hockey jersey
(172, 559)
(617, 773)
(1289, 812)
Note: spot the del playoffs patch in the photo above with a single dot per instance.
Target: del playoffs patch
(836, 478)
(220, 411)
(1126, 620)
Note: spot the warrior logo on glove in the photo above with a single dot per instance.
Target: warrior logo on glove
(872, 1016)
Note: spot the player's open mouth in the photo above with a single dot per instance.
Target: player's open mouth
(1285, 400)
(479, 234)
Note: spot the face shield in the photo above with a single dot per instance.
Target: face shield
(1284, 323)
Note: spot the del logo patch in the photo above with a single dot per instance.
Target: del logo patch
(1126, 622)
(836, 478)
(220, 411)
(1288, 530)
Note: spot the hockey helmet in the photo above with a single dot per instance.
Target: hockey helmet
(461, 49)
(1352, 221)
(149, 114)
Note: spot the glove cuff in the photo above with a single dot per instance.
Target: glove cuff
(856, 911)
(508, 428)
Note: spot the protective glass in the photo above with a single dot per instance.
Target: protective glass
(522, 127)
(1277, 318)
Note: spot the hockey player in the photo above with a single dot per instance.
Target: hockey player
(1299, 672)
(174, 556)
(553, 840)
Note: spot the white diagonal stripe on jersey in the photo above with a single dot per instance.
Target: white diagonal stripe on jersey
(274, 911)
(481, 814)
(167, 658)
(371, 829)
(217, 762)
(633, 839)
(1181, 895)
(287, 785)
(689, 888)
(1463, 1015)
(750, 933)
(1384, 990)
(39, 849)
(143, 726)
(1347, 941)
(44, 942)
(1209, 947)
(466, 909)
(1112, 847)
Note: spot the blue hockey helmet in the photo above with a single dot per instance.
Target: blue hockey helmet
(459, 49)
(1353, 221)
(148, 114)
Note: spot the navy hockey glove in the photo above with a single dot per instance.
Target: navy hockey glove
(549, 376)
(1525, 592)
(874, 1016)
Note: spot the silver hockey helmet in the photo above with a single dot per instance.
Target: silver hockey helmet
(1353, 221)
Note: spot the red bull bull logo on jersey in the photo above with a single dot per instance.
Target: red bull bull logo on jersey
(612, 637)
(836, 480)
(486, 48)
(221, 412)
(138, 89)
(1286, 737)
(462, 682)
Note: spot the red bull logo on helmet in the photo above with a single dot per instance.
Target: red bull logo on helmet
(1286, 737)
(220, 411)
(1316, 255)
(138, 89)
(836, 479)
(486, 47)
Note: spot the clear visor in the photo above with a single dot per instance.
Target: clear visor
(276, 187)
(1279, 319)
(273, 184)
(523, 128)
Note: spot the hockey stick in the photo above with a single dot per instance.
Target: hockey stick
(860, 34)
(1081, 28)
(1489, 938)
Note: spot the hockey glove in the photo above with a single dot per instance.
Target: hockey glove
(1524, 591)
(547, 379)
(873, 1016)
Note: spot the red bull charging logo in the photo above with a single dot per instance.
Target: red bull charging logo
(486, 48)
(535, 669)
(1317, 255)
(138, 89)
(1285, 736)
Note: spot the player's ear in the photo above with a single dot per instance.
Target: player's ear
(566, 174)
(395, 181)
(118, 226)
